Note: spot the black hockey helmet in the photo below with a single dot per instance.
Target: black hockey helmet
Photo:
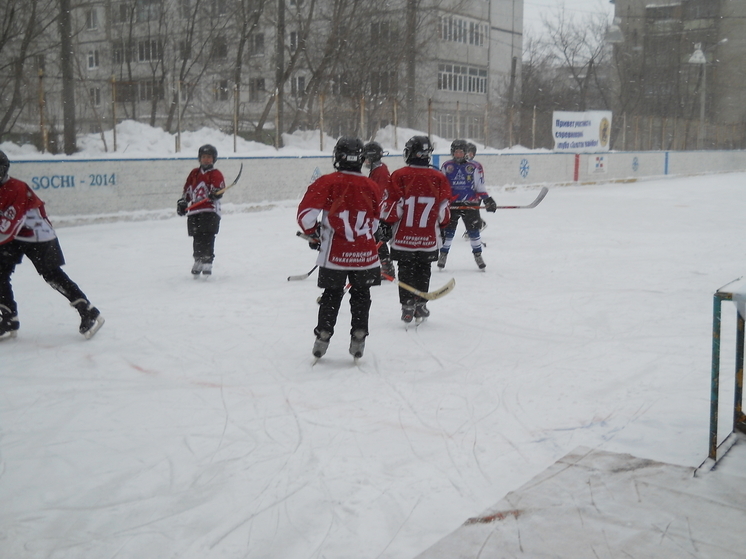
(471, 150)
(459, 144)
(209, 150)
(417, 150)
(372, 151)
(4, 165)
(348, 154)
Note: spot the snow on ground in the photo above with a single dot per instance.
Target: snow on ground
(195, 426)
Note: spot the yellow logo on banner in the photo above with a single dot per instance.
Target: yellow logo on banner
(604, 131)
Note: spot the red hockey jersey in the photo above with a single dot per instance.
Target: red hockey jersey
(348, 205)
(381, 176)
(421, 197)
(16, 200)
(198, 186)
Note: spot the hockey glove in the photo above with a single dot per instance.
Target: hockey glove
(315, 242)
(181, 206)
(214, 195)
(490, 205)
(383, 233)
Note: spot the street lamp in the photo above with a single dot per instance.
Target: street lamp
(698, 57)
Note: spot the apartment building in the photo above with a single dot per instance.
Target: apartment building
(451, 67)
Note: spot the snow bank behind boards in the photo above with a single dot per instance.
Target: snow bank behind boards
(84, 190)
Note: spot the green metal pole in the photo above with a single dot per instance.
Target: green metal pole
(715, 378)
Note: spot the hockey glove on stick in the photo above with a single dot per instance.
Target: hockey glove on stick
(181, 207)
(490, 205)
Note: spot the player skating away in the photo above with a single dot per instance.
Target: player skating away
(420, 197)
(200, 202)
(342, 210)
(467, 185)
(379, 172)
(25, 230)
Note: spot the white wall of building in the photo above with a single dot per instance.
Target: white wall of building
(92, 190)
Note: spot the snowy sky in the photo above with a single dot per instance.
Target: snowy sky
(578, 9)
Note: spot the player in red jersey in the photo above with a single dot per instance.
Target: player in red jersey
(25, 230)
(342, 211)
(379, 172)
(203, 219)
(421, 197)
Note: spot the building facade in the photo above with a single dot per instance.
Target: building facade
(449, 67)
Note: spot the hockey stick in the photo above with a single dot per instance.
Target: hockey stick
(219, 192)
(303, 276)
(429, 295)
(539, 198)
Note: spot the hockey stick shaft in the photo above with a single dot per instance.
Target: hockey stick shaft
(219, 192)
(539, 198)
(429, 295)
(303, 276)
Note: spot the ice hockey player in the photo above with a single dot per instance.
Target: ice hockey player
(25, 230)
(467, 185)
(420, 197)
(341, 211)
(379, 173)
(471, 153)
(200, 202)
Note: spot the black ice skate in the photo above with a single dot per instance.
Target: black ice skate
(442, 257)
(407, 311)
(479, 260)
(91, 320)
(321, 344)
(197, 267)
(421, 312)
(8, 323)
(357, 343)
(387, 269)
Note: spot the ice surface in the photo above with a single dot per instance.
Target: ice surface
(193, 425)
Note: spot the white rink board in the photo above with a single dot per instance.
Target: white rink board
(96, 187)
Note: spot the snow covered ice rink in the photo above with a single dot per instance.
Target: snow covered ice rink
(194, 426)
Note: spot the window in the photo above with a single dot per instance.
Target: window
(148, 10)
(150, 49)
(256, 89)
(120, 13)
(380, 33)
(218, 8)
(150, 90)
(459, 30)
(95, 95)
(126, 92)
(297, 86)
(455, 77)
(383, 83)
(92, 59)
(221, 90)
(256, 44)
(219, 49)
(91, 19)
(120, 53)
(293, 41)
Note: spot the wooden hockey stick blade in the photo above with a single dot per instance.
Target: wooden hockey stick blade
(303, 276)
(219, 192)
(429, 295)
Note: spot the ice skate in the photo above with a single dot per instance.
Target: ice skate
(321, 344)
(357, 343)
(91, 320)
(197, 267)
(442, 257)
(421, 312)
(479, 260)
(8, 324)
(407, 311)
(207, 268)
(387, 268)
